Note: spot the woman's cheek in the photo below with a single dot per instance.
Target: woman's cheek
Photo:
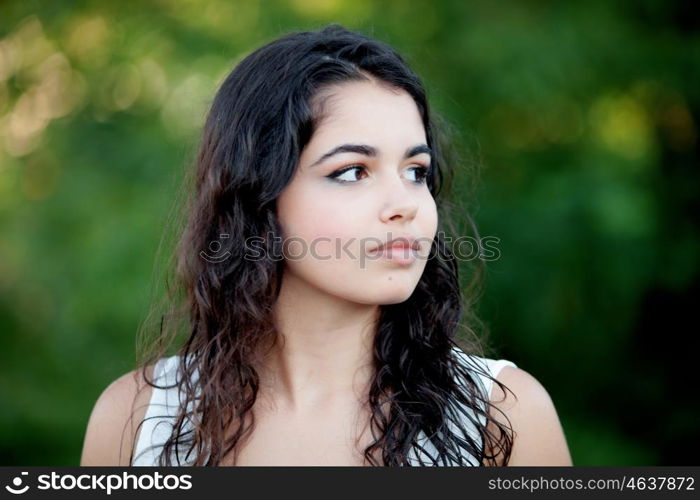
(326, 240)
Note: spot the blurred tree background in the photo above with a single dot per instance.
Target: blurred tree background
(584, 116)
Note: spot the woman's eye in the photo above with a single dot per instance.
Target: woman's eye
(348, 175)
(421, 174)
(345, 175)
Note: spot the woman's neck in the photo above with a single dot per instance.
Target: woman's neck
(324, 353)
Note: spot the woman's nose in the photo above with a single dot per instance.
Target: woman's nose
(398, 199)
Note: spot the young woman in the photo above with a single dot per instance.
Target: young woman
(321, 300)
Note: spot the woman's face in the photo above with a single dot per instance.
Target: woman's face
(360, 182)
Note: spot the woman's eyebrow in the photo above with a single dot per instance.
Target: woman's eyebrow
(366, 150)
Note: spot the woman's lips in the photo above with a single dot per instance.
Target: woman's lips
(401, 241)
(398, 253)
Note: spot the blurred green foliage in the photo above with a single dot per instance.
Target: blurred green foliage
(584, 116)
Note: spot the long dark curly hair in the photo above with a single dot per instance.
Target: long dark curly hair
(220, 311)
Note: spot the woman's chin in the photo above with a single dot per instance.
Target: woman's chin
(390, 295)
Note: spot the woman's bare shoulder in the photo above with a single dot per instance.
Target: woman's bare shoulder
(539, 437)
(115, 418)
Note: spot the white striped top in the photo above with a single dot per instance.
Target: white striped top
(162, 410)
